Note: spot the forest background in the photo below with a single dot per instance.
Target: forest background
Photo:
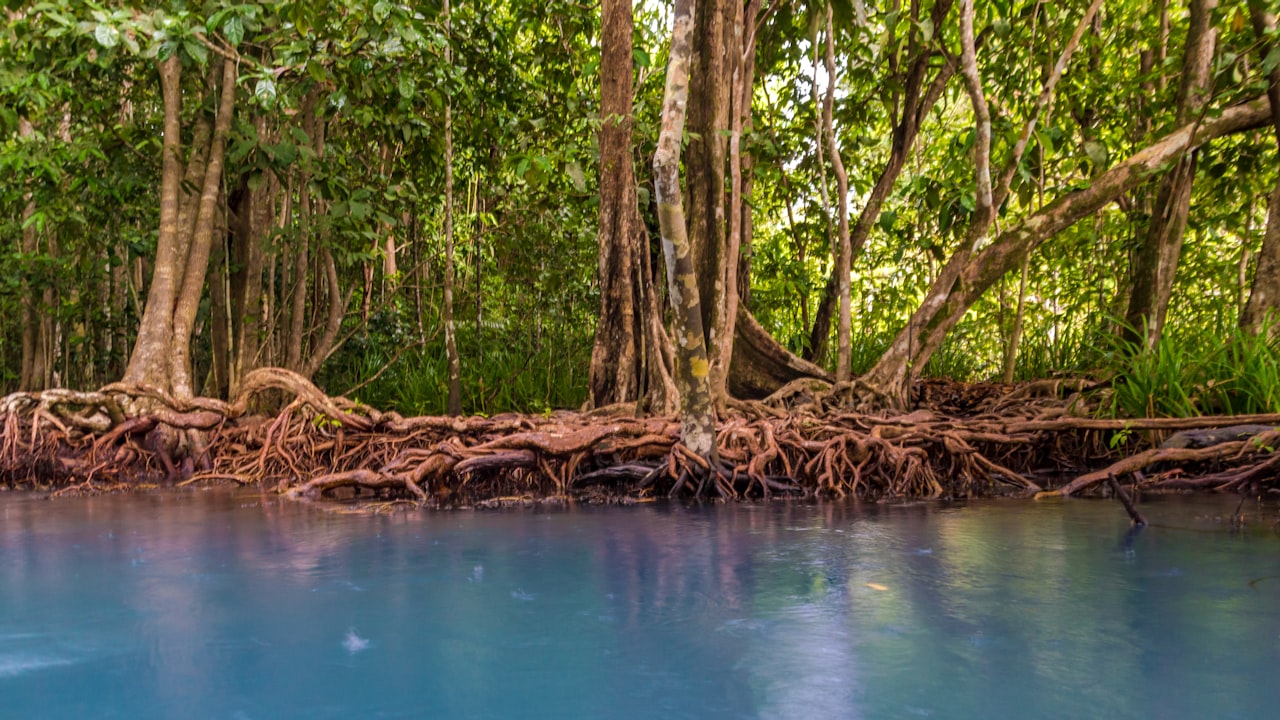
(424, 207)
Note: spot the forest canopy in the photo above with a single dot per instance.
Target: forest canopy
(393, 199)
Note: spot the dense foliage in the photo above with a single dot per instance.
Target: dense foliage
(81, 123)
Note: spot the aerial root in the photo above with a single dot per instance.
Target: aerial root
(969, 441)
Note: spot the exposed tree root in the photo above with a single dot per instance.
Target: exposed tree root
(967, 441)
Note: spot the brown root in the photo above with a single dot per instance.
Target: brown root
(807, 440)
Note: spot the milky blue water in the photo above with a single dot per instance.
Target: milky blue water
(211, 605)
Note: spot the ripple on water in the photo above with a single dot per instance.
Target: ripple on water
(21, 664)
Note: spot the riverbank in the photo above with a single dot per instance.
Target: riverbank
(962, 441)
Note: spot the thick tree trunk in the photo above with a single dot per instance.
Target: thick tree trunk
(709, 86)
(162, 353)
(450, 334)
(627, 361)
(1260, 312)
(197, 265)
(1157, 259)
(149, 362)
(697, 413)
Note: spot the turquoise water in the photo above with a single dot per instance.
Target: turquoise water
(210, 605)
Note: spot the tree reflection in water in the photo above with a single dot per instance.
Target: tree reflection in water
(161, 605)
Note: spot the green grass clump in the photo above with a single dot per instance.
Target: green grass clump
(1230, 372)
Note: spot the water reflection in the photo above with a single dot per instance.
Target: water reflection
(237, 606)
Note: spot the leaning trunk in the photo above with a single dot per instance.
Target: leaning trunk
(916, 343)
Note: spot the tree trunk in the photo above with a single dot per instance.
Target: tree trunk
(626, 363)
(197, 264)
(916, 343)
(336, 311)
(844, 251)
(1264, 295)
(249, 225)
(450, 334)
(161, 355)
(1015, 335)
(917, 100)
(219, 379)
(890, 378)
(32, 371)
(148, 364)
(313, 127)
(709, 87)
(741, 44)
(697, 413)
(1157, 259)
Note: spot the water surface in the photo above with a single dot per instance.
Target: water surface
(211, 605)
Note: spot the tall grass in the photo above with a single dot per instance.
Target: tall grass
(504, 369)
(1195, 373)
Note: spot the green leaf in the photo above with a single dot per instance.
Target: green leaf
(285, 153)
(1272, 59)
(1097, 152)
(641, 58)
(106, 36)
(265, 90)
(233, 30)
(381, 10)
(406, 86)
(196, 51)
(576, 176)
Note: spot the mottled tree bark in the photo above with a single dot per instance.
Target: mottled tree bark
(1157, 259)
(697, 413)
(161, 355)
(627, 360)
(1264, 294)
(710, 83)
